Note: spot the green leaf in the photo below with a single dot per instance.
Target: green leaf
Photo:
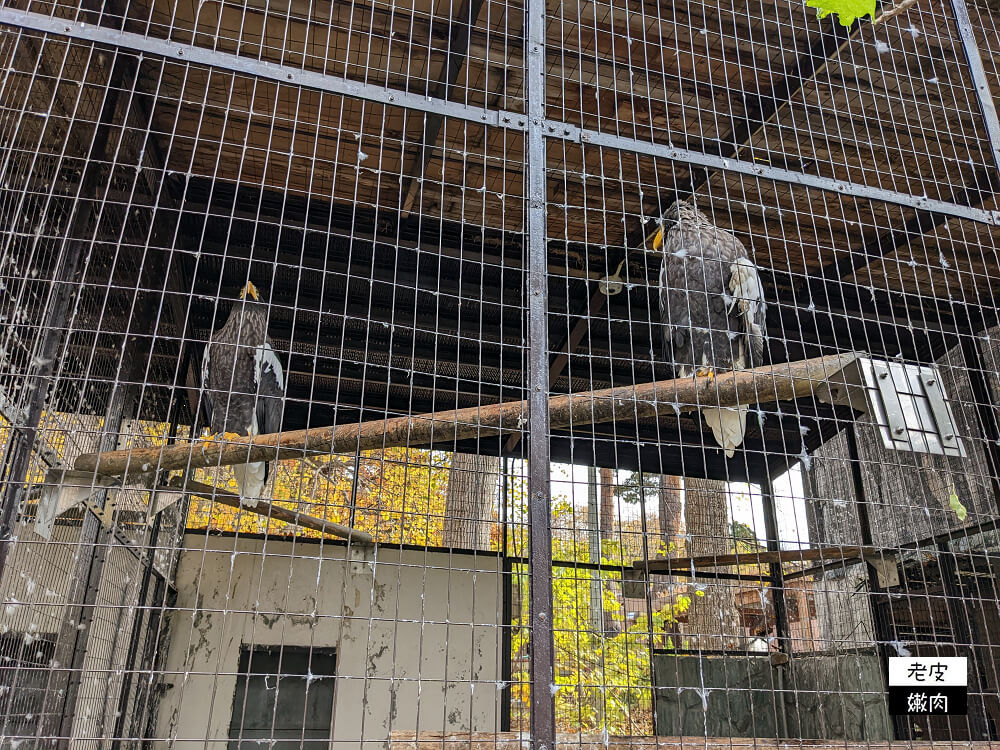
(956, 505)
(847, 10)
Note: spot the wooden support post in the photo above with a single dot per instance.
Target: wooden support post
(769, 384)
(966, 640)
(878, 602)
(776, 572)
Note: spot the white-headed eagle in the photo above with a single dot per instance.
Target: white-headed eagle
(712, 307)
(243, 383)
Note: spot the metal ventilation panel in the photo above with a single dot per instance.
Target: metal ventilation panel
(906, 401)
(909, 405)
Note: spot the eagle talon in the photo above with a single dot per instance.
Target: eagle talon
(706, 372)
(230, 436)
(208, 439)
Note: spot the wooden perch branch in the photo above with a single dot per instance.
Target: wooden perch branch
(810, 554)
(894, 11)
(270, 510)
(665, 397)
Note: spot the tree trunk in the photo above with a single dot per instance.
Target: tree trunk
(597, 616)
(607, 503)
(607, 529)
(472, 492)
(713, 620)
(671, 516)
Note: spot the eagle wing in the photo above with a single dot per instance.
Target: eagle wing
(711, 301)
(747, 307)
(674, 314)
(693, 301)
(206, 394)
(270, 381)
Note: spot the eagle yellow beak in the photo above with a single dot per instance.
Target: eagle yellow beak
(251, 290)
(658, 239)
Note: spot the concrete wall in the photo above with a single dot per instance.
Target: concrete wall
(836, 697)
(715, 696)
(418, 646)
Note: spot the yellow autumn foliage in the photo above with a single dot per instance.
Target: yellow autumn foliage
(398, 496)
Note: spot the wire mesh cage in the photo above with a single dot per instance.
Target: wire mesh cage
(475, 374)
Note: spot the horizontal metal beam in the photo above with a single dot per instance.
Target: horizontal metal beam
(765, 171)
(287, 74)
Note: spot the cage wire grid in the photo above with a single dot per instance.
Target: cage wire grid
(415, 244)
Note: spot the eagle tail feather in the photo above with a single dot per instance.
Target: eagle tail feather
(728, 425)
(251, 479)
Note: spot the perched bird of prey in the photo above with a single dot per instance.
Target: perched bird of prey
(712, 308)
(243, 383)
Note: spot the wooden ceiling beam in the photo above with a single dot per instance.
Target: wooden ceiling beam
(451, 71)
(874, 247)
(762, 109)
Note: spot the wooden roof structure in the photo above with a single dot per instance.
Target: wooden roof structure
(389, 242)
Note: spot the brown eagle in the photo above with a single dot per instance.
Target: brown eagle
(712, 307)
(243, 383)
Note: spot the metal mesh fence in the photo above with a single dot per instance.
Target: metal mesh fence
(475, 374)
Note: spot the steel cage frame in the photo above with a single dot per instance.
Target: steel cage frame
(538, 130)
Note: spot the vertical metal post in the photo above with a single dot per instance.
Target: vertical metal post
(507, 605)
(543, 724)
(776, 574)
(965, 640)
(596, 577)
(777, 595)
(883, 630)
(648, 591)
(131, 656)
(72, 250)
(594, 552)
(985, 409)
(504, 506)
(353, 510)
(979, 80)
(989, 428)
